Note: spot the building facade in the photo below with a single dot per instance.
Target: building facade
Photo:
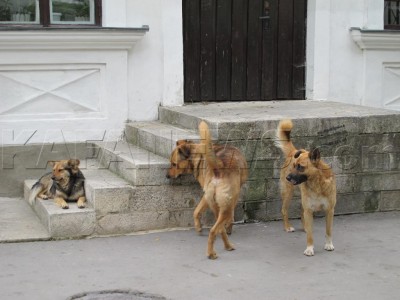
(81, 77)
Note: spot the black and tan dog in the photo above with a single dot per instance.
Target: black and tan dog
(317, 185)
(221, 170)
(64, 183)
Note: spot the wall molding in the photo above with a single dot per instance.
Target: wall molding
(376, 39)
(71, 38)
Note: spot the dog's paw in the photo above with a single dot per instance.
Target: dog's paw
(81, 204)
(290, 229)
(212, 255)
(43, 197)
(229, 247)
(309, 251)
(64, 206)
(329, 247)
(199, 230)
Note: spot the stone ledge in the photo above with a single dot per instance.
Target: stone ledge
(72, 38)
(376, 39)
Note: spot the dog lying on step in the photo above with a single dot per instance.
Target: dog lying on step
(221, 170)
(64, 183)
(317, 185)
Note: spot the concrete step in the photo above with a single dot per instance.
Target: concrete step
(157, 137)
(115, 207)
(62, 223)
(138, 166)
(106, 193)
(254, 120)
(18, 223)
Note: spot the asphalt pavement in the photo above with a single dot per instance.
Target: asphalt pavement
(268, 263)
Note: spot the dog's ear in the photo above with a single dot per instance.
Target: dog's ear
(52, 162)
(184, 150)
(314, 155)
(181, 142)
(297, 154)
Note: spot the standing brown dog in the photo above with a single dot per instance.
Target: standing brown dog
(65, 182)
(317, 185)
(221, 171)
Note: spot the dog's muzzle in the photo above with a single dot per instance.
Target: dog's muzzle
(296, 179)
(172, 177)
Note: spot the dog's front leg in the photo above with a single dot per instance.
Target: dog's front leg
(308, 227)
(81, 202)
(329, 224)
(201, 207)
(61, 202)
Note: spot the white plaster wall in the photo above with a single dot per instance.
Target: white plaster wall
(61, 96)
(155, 67)
(335, 64)
(129, 82)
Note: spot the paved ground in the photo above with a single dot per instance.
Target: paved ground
(18, 222)
(268, 264)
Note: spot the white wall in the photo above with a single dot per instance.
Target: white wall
(64, 85)
(335, 64)
(156, 63)
(48, 97)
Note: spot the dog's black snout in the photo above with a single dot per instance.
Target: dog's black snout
(53, 177)
(289, 177)
(168, 176)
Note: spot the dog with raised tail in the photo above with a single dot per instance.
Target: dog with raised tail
(316, 181)
(221, 170)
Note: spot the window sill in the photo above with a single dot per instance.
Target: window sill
(73, 37)
(376, 39)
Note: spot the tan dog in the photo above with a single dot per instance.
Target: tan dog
(65, 182)
(317, 185)
(221, 171)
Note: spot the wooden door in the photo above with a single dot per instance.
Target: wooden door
(238, 50)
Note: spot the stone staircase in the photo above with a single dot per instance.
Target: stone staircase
(128, 191)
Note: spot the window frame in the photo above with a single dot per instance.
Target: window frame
(390, 26)
(45, 20)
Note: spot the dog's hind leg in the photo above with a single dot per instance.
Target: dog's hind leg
(286, 195)
(227, 244)
(200, 208)
(219, 227)
(229, 224)
(329, 223)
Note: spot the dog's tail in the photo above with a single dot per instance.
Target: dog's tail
(212, 160)
(282, 138)
(35, 190)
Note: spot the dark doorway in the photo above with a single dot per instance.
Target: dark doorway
(244, 50)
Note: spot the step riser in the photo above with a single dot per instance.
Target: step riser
(145, 174)
(156, 137)
(60, 223)
(263, 126)
(157, 144)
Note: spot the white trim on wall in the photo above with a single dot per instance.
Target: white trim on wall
(64, 85)
(381, 76)
(69, 39)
